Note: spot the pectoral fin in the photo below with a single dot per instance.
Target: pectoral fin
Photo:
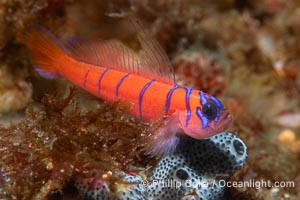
(165, 140)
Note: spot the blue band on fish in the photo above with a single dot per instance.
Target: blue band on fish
(85, 77)
(142, 94)
(188, 107)
(120, 83)
(100, 79)
(169, 96)
(203, 119)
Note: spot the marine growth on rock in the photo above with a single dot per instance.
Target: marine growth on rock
(198, 169)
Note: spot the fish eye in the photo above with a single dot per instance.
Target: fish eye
(209, 110)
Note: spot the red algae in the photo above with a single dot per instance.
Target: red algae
(57, 141)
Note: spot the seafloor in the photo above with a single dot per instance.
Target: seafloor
(246, 53)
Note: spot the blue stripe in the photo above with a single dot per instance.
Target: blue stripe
(188, 107)
(217, 102)
(169, 95)
(219, 105)
(203, 99)
(119, 84)
(85, 77)
(100, 79)
(203, 119)
(142, 94)
(217, 117)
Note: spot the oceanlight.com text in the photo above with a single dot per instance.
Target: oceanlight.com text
(257, 184)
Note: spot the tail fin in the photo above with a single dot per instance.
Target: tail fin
(45, 50)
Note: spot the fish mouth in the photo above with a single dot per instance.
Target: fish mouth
(223, 122)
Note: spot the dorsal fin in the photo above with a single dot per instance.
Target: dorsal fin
(153, 55)
(152, 62)
(105, 53)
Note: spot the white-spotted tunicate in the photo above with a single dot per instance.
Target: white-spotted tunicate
(197, 170)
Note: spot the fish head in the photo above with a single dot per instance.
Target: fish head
(206, 117)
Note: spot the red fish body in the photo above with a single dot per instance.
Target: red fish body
(111, 71)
